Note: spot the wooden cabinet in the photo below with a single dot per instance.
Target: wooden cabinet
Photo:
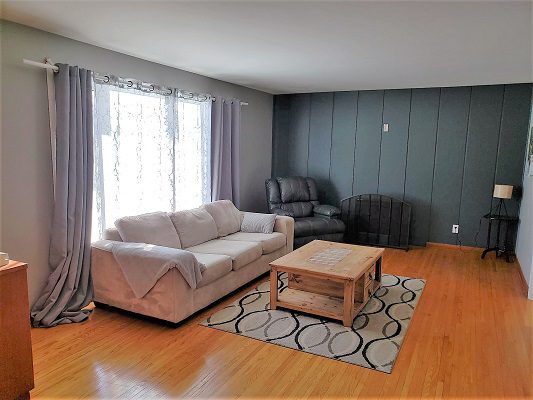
(16, 366)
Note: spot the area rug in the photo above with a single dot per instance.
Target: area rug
(373, 341)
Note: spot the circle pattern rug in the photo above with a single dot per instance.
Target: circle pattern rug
(373, 341)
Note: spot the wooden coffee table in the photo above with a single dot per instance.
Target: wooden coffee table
(333, 280)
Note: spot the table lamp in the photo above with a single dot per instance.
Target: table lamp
(502, 192)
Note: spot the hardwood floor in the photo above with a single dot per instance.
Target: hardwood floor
(471, 336)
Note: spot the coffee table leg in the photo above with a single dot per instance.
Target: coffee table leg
(348, 309)
(273, 288)
(378, 270)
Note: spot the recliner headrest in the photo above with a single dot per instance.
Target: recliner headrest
(294, 188)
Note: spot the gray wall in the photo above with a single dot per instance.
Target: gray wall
(524, 242)
(445, 149)
(26, 189)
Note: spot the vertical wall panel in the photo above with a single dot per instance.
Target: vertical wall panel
(298, 135)
(342, 146)
(368, 141)
(449, 160)
(420, 160)
(480, 159)
(396, 106)
(280, 125)
(448, 180)
(513, 139)
(320, 140)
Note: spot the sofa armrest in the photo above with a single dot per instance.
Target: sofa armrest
(285, 225)
(170, 299)
(324, 210)
(279, 211)
(104, 244)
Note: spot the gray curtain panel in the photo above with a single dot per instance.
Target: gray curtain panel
(69, 286)
(225, 133)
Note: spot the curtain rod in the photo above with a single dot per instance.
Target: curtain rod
(40, 65)
(56, 69)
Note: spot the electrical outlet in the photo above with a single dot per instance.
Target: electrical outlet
(455, 228)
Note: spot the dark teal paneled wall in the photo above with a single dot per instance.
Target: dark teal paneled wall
(445, 149)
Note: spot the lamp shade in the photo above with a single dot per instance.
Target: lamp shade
(503, 191)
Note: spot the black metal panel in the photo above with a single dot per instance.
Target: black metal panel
(375, 219)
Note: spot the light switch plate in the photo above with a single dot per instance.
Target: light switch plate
(385, 127)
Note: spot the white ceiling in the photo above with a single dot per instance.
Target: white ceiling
(287, 47)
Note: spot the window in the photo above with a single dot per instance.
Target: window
(152, 153)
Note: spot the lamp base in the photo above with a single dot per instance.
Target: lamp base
(497, 211)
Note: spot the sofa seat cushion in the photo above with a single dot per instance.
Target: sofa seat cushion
(312, 226)
(241, 253)
(217, 265)
(270, 242)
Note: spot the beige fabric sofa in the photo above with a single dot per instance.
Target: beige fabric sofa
(233, 258)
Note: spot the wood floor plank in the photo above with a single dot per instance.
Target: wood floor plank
(471, 337)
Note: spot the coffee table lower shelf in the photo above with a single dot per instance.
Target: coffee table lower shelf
(313, 303)
(320, 304)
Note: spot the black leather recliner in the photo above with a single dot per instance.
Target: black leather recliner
(297, 197)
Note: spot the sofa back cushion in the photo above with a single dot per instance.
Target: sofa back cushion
(152, 228)
(194, 226)
(227, 217)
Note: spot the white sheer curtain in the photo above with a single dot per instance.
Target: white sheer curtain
(152, 153)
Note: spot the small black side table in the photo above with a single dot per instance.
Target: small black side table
(508, 248)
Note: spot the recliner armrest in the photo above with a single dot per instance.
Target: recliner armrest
(279, 211)
(324, 210)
